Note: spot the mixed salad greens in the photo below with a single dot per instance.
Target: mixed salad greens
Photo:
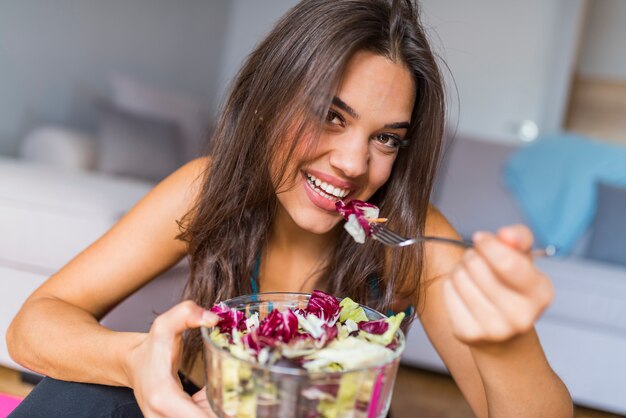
(359, 216)
(347, 361)
(327, 335)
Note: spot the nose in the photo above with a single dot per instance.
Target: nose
(350, 154)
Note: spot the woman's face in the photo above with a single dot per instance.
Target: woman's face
(354, 155)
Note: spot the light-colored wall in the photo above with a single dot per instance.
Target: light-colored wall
(248, 23)
(56, 56)
(603, 49)
(510, 60)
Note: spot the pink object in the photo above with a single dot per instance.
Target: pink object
(375, 402)
(7, 404)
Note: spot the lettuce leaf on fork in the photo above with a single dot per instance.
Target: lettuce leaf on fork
(358, 215)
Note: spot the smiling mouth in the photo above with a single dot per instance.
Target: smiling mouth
(327, 191)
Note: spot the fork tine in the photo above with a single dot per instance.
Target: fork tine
(395, 236)
(379, 235)
(390, 238)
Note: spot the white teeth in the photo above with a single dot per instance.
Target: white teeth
(326, 190)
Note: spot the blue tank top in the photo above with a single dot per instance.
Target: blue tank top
(254, 282)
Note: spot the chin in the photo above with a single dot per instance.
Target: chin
(316, 223)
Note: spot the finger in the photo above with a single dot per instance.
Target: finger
(491, 320)
(515, 307)
(464, 326)
(183, 406)
(518, 236)
(201, 400)
(170, 401)
(512, 267)
(182, 317)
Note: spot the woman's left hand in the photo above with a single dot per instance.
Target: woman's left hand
(496, 293)
(201, 400)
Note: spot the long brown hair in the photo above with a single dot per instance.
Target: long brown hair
(286, 85)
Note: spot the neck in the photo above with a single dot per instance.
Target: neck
(287, 236)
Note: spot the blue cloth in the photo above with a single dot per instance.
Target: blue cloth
(554, 179)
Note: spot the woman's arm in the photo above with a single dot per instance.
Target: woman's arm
(478, 308)
(57, 333)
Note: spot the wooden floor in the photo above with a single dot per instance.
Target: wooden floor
(418, 393)
(424, 394)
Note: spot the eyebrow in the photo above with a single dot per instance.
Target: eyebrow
(346, 108)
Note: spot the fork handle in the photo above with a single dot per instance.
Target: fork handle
(547, 251)
(457, 242)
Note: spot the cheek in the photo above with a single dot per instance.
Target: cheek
(380, 171)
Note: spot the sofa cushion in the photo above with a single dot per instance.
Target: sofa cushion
(469, 189)
(137, 146)
(191, 114)
(48, 215)
(608, 229)
(587, 293)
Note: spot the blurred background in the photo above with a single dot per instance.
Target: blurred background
(100, 100)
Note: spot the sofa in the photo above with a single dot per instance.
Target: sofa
(583, 332)
(49, 215)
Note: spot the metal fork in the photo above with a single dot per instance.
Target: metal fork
(392, 239)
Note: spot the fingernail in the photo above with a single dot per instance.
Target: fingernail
(209, 318)
(478, 236)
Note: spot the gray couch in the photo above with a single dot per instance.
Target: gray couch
(584, 330)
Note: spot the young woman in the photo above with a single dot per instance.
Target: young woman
(344, 91)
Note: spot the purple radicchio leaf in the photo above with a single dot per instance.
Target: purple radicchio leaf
(278, 327)
(358, 209)
(374, 327)
(251, 342)
(324, 306)
(229, 318)
(330, 333)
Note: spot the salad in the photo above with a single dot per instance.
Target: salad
(331, 360)
(359, 216)
(326, 336)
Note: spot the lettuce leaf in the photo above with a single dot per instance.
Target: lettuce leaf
(386, 337)
(351, 310)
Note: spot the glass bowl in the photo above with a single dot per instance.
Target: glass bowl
(241, 388)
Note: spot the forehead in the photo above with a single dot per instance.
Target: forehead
(375, 86)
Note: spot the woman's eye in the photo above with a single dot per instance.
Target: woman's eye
(334, 118)
(388, 140)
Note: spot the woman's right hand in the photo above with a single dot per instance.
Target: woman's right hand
(152, 365)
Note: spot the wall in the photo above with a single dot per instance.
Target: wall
(511, 61)
(248, 23)
(603, 50)
(55, 57)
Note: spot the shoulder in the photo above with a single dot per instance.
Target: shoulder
(188, 177)
(159, 213)
(179, 191)
(439, 259)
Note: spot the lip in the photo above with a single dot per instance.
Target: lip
(316, 199)
(344, 184)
